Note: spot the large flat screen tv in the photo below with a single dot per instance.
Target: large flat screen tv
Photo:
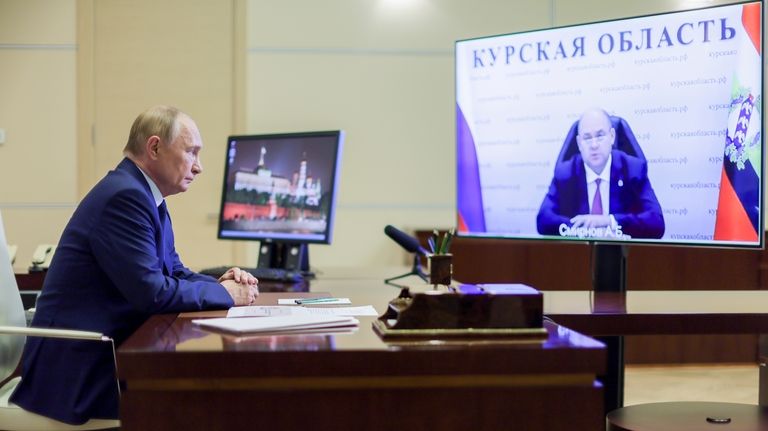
(645, 129)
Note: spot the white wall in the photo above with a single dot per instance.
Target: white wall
(74, 74)
(38, 161)
(383, 72)
(174, 52)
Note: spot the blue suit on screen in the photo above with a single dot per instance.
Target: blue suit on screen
(115, 266)
(632, 200)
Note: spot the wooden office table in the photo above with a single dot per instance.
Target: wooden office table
(180, 377)
(614, 315)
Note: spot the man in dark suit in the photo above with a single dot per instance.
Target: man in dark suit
(115, 265)
(601, 192)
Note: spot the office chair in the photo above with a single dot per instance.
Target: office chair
(13, 333)
(625, 140)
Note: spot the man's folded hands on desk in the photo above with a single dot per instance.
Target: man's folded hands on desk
(241, 286)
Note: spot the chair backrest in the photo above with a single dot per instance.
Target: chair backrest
(625, 140)
(11, 312)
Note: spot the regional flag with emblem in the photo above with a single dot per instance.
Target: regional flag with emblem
(738, 208)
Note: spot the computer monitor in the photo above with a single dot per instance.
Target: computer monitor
(638, 130)
(281, 189)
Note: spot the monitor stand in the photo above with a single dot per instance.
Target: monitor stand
(285, 255)
(609, 267)
(609, 275)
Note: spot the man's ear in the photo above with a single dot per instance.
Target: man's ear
(613, 136)
(153, 146)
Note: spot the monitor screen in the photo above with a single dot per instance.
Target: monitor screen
(644, 129)
(281, 187)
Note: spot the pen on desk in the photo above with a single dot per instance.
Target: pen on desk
(313, 300)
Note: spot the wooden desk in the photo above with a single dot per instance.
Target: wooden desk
(660, 312)
(180, 377)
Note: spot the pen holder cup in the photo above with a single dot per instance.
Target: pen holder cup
(440, 269)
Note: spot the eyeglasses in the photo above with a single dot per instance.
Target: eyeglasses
(599, 137)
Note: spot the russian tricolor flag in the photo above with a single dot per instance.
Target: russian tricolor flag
(471, 217)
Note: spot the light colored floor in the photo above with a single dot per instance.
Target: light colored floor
(723, 383)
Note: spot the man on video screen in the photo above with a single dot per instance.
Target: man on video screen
(602, 191)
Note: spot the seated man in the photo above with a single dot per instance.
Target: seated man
(115, 266)
(600, 189)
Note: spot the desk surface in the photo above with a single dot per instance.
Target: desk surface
(170, 360)
(643, 312)
(356, 380)
(633, 313)
(168, 333)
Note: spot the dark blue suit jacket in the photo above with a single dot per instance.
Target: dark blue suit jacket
(114, 266)
(633, 202)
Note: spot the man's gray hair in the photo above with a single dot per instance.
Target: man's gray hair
(160, 120)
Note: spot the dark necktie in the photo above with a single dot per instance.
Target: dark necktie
(162, 212)
(597, 202)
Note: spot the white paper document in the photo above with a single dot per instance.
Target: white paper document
(260, 311)
(325, 301)
(287, 310)
(365, 310)
(277, 323)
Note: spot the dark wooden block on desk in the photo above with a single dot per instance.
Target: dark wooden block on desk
(471, 307)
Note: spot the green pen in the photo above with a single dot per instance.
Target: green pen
(443, 243)
(448, 238)
(314, 300)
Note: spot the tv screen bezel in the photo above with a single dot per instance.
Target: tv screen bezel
(760, 244)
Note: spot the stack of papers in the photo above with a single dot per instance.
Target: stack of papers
(313, 301)
(295, 323)
(283, 310)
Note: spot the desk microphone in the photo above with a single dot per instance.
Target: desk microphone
(411, 245)
(405, 241)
